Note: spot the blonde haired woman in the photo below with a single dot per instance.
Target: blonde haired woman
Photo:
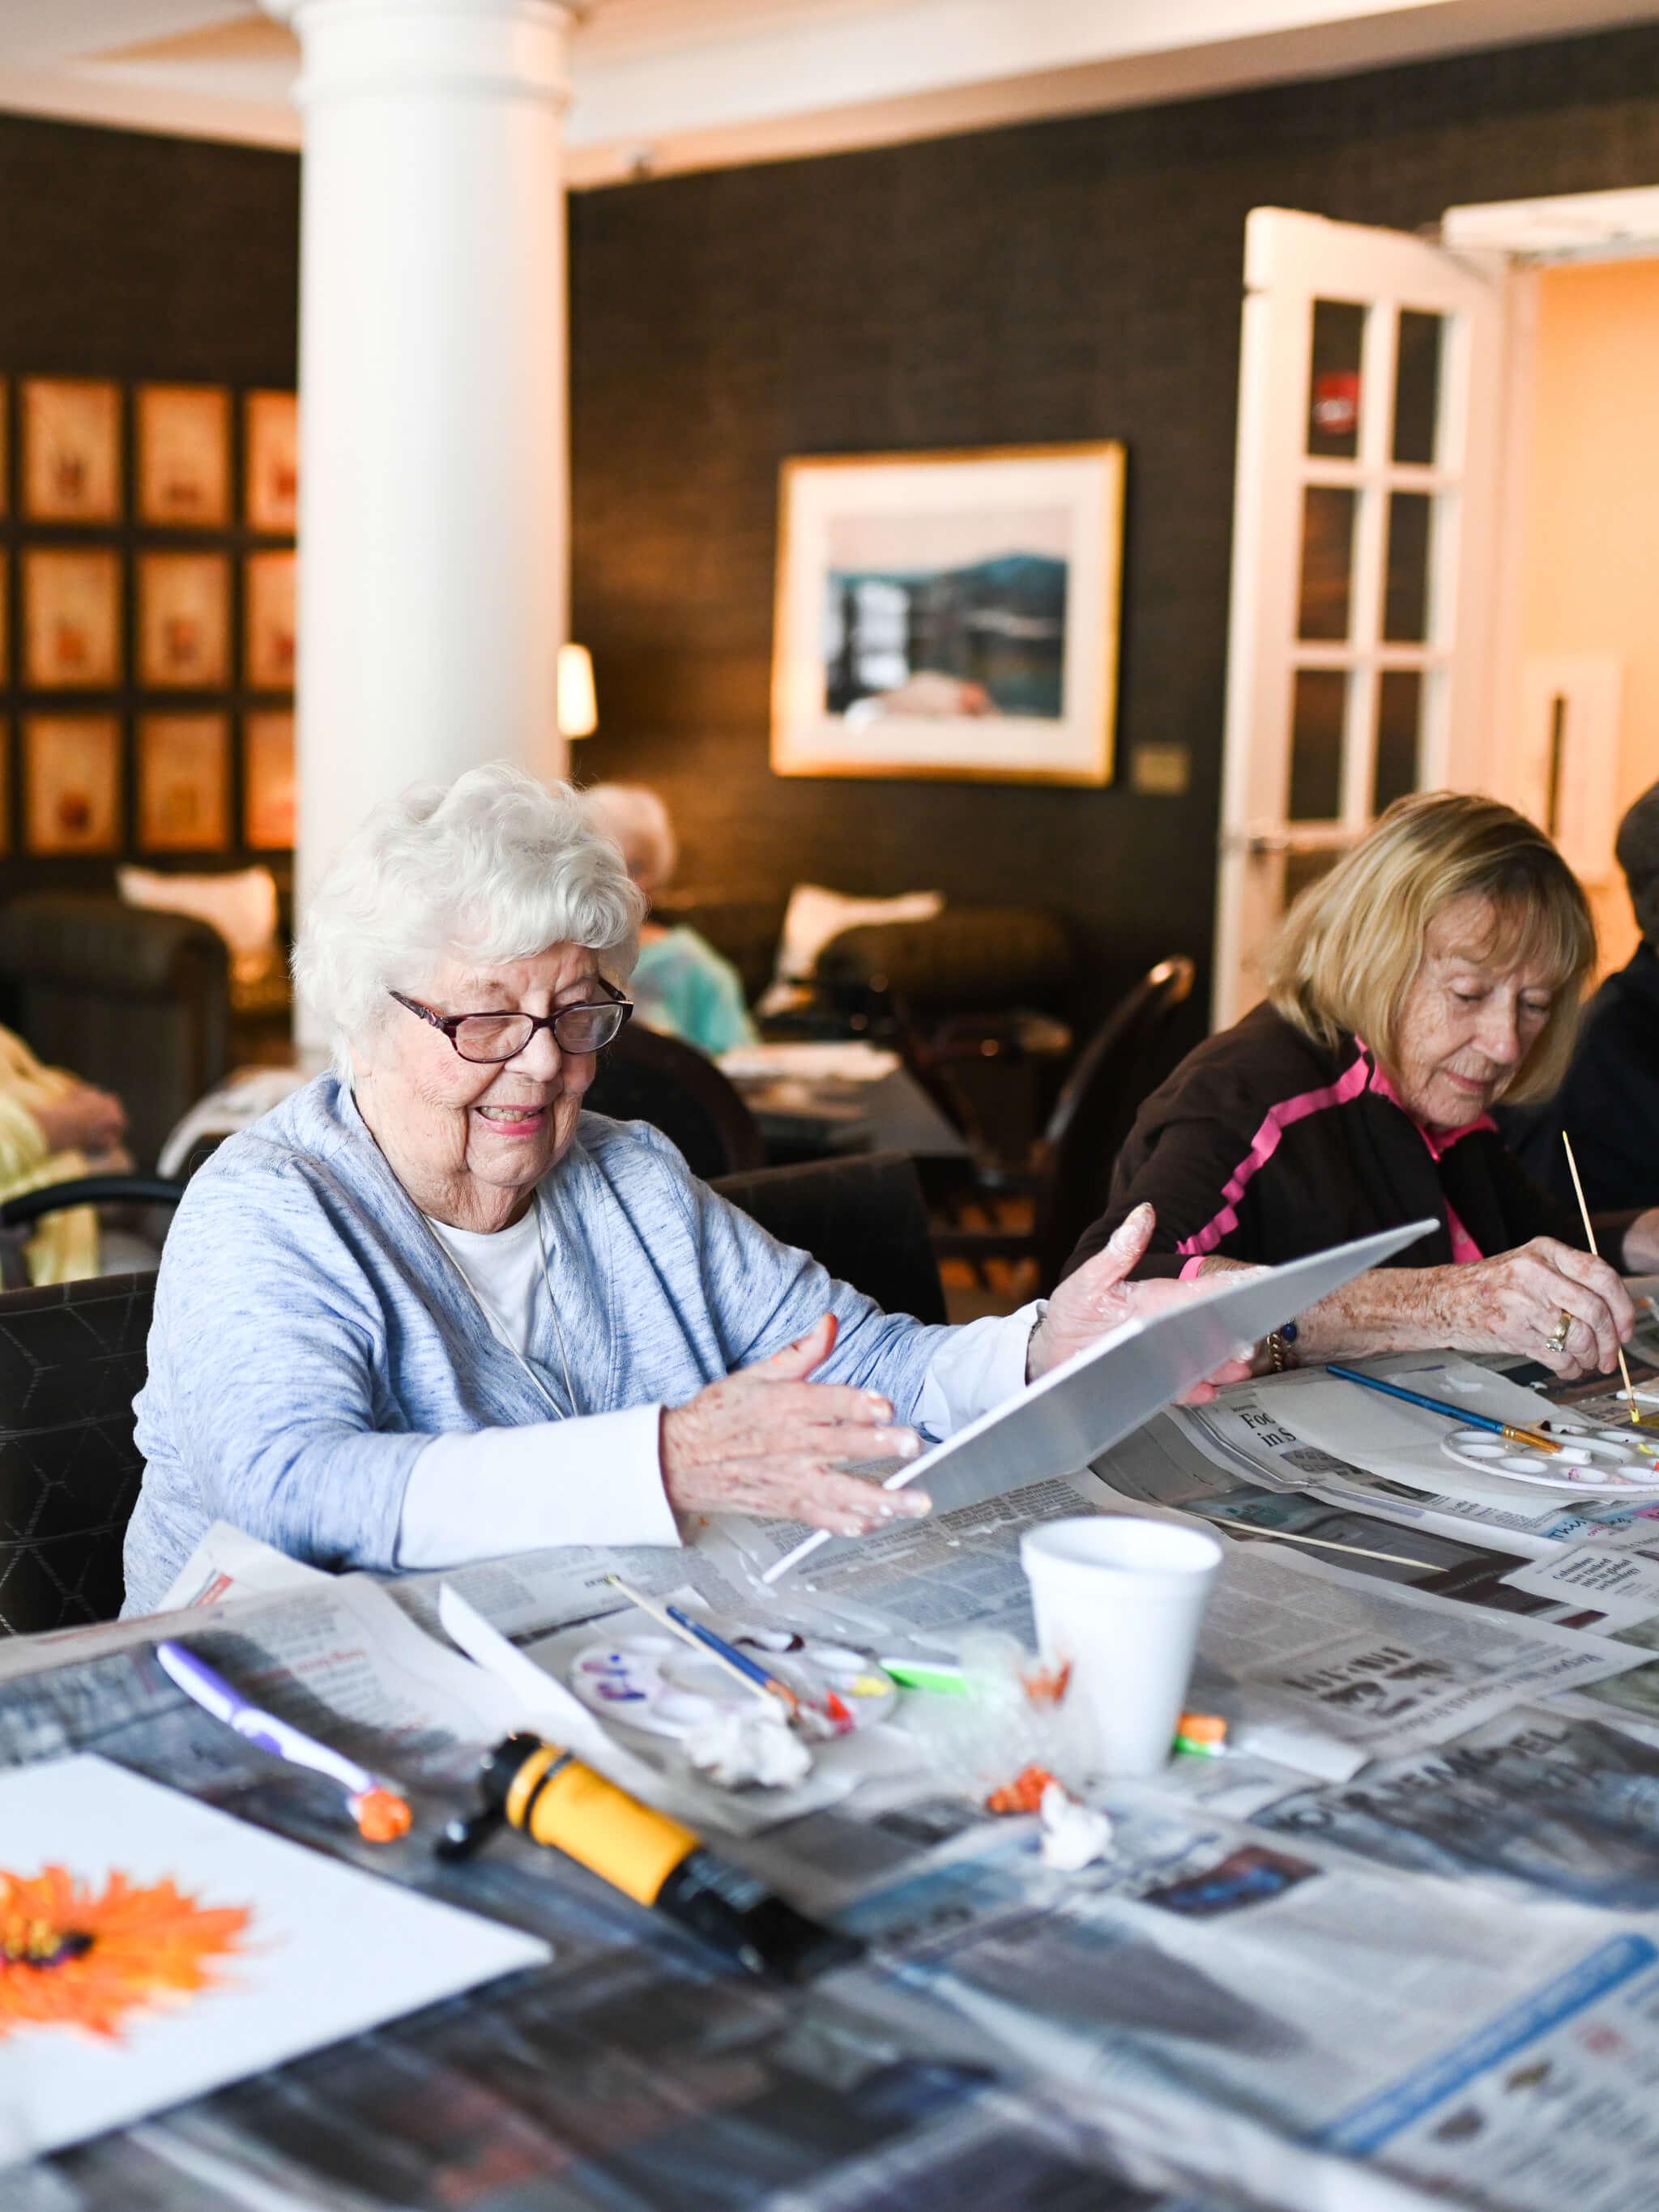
(1436, 968)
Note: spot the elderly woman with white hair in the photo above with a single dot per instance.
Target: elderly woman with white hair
(428, 1311)
(679, 983)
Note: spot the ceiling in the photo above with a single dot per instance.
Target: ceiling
(663, 85)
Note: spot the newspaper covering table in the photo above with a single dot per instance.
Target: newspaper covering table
(1400, 1947)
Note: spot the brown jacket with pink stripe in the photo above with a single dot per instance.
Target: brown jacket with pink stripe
(1263, 1147)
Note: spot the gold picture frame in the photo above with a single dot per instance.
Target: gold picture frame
(269, 782)
(268, 617)
(184, 782)
(270, 463)
(183, 435)
(72, 618)
(71, 450)
(950, 615)
(72, 783)
(183, 621)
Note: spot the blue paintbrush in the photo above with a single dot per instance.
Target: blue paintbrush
(1534, 1439)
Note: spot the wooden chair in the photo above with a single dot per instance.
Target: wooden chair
(1066, 1185)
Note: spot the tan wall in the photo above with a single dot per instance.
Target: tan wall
(1591, 555)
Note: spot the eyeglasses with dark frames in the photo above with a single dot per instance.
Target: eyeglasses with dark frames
(492, 1037)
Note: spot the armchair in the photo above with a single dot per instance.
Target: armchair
(135, 1000)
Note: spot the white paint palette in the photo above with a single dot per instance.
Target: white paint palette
(653, 1682)
(1593, 1462)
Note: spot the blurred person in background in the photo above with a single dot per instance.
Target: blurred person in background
(681, 984)
(53, 1127)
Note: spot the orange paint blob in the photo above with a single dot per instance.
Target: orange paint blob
(1022, 1795)
(69, 1959)
(1046, 1686)
(1203, 1727)
(381, 1816)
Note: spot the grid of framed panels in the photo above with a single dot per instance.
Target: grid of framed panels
(147, 617)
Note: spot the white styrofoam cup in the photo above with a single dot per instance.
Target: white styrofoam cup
(1121, 1600)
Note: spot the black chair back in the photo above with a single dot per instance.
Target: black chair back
(150, 1198)
(865, 1218)
(71, 1360)
(647, 1077)
(1112, 1078)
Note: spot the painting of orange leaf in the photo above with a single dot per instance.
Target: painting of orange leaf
(153, 1948)
(71, 1957)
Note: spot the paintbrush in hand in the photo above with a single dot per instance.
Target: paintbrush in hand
(1589, 1236)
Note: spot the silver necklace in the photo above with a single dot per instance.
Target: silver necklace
(498, 1328)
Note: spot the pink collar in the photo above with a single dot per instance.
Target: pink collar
(1439, 1141)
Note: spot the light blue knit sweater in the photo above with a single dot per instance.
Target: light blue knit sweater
(310, 1338)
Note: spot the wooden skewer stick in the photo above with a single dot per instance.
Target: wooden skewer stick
(1324, 1543)
(664, 1619)
(1578, 1191)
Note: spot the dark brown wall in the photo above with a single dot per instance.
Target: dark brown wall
(1073, 279)
(144, 258)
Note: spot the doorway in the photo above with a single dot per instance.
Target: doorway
(1585, 687)
(1432, 435)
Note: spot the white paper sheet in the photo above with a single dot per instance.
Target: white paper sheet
(1089, 1402)
(326, 1952)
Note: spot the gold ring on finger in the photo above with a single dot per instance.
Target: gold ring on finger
(1557, 1339)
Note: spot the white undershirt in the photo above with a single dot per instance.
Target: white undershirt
(504, 1267)
(598, 1479)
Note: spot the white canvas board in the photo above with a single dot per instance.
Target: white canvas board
(1094, 1399)
(327, 1952)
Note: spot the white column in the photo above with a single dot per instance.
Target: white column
(432, 397)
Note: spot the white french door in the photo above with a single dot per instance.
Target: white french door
(1369, 393)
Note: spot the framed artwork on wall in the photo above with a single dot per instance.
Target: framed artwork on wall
(270, 444)
(268, 615)
(183, 621)
(268, 781)
(71, 450)
(184, 782)
(950, 615)
(72, 779)
(183, 434)
(71, 618)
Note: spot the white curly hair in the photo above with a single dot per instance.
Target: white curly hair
(495, 866)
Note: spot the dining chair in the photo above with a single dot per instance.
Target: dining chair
(645, 1076)
(1067, 1184)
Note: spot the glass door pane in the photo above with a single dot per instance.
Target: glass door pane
(1326, 600)
(1417, 388)
(1399, 725)
(1338, 331)
(1318, 712)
